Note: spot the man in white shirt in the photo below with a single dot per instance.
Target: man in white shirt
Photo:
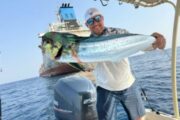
(114, 80)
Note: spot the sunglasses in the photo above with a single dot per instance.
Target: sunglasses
(91, 20)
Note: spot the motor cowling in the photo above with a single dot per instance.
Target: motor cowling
(75, 99)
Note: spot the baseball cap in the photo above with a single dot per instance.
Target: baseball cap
(91, 12)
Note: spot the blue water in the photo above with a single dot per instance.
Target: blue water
(32, 99)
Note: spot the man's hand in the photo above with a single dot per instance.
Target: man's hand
(160, 41)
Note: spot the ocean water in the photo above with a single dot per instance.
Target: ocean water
(32, 99)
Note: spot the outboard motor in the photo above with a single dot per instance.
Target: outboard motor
(75, 99)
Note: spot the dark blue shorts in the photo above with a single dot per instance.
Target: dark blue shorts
(108, 101)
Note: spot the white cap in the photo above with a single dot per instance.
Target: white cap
(91, 12)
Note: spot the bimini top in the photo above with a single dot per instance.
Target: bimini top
(137, 3)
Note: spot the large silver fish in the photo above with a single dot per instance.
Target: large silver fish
(97, 49)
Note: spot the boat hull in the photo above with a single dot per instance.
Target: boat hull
(151, 115)
(61, 69)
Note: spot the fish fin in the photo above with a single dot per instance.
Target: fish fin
(59, 53)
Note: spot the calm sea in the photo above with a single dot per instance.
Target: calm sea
(32, 99)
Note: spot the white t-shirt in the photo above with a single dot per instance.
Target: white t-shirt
(113, 76)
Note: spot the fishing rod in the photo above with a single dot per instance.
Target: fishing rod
(144, 96)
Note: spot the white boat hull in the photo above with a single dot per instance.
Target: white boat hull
(157, 116)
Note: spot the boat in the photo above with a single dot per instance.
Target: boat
(82, 103)
(66, 22)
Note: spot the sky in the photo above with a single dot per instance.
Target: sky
(22, 20)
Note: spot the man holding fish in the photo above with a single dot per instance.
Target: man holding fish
(115, 81)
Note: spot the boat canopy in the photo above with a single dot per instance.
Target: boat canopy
(137, 3)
